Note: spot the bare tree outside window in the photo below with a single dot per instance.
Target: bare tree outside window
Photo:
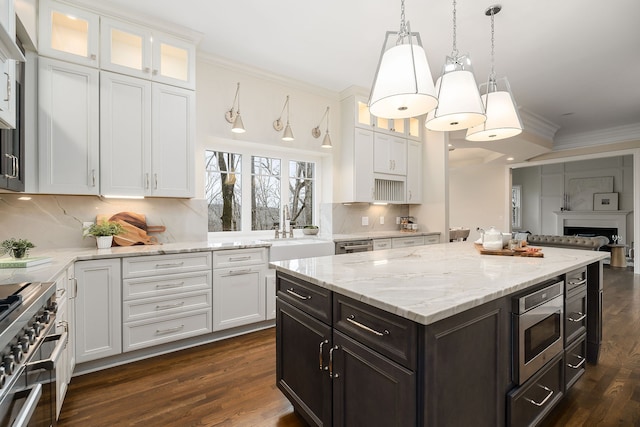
(301, 177)
(265, 192)
(223, 176)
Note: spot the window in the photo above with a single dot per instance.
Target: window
(272, 178)
(265, 193)
(223, 190)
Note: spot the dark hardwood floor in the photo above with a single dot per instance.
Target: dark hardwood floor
(232, 382)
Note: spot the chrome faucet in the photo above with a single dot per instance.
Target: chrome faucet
(285, 221)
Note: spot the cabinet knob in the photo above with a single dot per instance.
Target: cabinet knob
(93, 56)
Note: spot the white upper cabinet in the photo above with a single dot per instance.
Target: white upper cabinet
(414, 172)
(68, 33)
(141, 52)
(389, 154)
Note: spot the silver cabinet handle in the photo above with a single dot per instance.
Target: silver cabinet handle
(170, 265)
(579, 319)
(75, 287)
(93, 177)
(239, 258)
(155, 176)
(579, 365)
(410, 195)
(320, 354)
(331, 374)
(146, 180)
(8, 98)
(169, 285)
(544, 400)
(239, 272)
(169, 306)
(16, 167)
(409, 242)
(579, 282)
(297, 295)
(351, 319)
(168, 331)
(60, 292)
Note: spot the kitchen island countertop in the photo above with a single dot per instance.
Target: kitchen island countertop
(428, 283)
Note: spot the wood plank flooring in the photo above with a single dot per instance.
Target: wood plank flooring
(232, 382)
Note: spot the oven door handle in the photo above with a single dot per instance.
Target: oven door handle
(50, 363)
(352, 247)
(25, 414)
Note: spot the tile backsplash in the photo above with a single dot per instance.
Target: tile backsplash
(52, 221)
(348, 218)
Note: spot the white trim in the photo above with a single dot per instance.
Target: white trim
(538, 125)
(599, 137)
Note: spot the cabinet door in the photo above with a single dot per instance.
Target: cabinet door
(369, 389)
(302, 364)
(98, 307)
(414, 172)
(72, 291)
(125, 48)
(173, 135)
(173, 61)
(125, 135)
(363, 166)
(68, 33)
(238, 296)
(68, 136)
(7, 70)
(389, 154)
(398, 155)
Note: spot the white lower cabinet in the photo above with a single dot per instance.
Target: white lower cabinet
(165, 298)
(239, 287)
(432, 239)
(65, 289)
(380, 244)
(404, 242)
(98, 304)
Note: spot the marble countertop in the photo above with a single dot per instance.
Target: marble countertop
(380, 235)
(63, 258)
(430, 283)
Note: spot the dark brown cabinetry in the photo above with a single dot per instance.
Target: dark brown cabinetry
(594, 307)
(575, 325)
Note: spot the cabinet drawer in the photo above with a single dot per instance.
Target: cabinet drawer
(431, 240)
(379, 244)
(172, 284)
(575, 278)
(161, 306)
(528, 404)
(403, 242)
(387, 333)
(308, 297)
(575, 359)
(575, 314)
(142, 266)
(147, 333)
(236, 257)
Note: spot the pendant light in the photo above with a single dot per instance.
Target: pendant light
(287, 135)
(316, 132)
(402, 86)
(459, 103)
(234, 116)
(503, 120)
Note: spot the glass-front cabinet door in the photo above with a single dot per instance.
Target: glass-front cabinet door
(173, 61)
(68, 33)
(125, 48)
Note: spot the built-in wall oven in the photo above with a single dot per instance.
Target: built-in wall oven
(28, 360)
(354, 246)
(538, 317)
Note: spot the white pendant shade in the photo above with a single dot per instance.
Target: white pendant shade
(326, 142)
(459, 103)
(287, 134)
(238, 126)
(400, 90)
(502, 122)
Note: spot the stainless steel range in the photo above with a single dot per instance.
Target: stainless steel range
(28, 353)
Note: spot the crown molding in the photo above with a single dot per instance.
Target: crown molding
(607, 136)
(265, 75)
(538, 125)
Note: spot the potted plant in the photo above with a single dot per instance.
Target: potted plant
(104, 232)
(17, 248)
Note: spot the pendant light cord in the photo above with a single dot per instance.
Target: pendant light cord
(403, 25)
(492, 75)
(454, 51)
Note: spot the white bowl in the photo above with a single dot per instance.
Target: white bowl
(310, 231)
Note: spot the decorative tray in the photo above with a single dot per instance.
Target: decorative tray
(523, 252)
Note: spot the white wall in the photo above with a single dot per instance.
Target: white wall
(529, 179)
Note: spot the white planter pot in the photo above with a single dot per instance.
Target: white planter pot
(104, 242)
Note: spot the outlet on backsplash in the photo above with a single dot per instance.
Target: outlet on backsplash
(365, 220)
(381, 220)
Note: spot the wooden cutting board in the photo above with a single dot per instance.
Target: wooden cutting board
(135, 229)
(508, 252)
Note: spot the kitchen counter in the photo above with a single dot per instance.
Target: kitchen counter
(426, 284)
(63, 258)
(380, 235)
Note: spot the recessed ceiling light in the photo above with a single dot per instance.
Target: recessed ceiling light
(24, 198)
(510, 159)
(567, 114)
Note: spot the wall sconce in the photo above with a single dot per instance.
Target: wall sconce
(287, 135)
(234, 116)
(316, 132)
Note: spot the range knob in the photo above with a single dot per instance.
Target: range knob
(24, 344)
(16, 350)
(3, 377)
(53, 307)
(37, 327)
(31, 335)
(8, 364)
(45, 316)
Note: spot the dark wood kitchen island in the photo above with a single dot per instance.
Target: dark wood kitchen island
(423, 336)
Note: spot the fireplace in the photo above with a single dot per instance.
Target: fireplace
(590, 231)
(593, 223)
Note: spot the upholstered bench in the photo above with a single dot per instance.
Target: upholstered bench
(569, 242)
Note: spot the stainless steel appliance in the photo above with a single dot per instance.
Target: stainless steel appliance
(29, 353)
(353, 246)
(537, 328)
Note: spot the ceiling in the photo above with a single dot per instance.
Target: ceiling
(573, 63)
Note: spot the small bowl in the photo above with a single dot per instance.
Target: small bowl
(310, 231)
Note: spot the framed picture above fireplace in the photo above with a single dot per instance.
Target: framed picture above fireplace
(605, 202)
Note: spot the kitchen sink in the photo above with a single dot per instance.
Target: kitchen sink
(304, 247)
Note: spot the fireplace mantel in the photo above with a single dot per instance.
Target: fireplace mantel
(604, 219)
